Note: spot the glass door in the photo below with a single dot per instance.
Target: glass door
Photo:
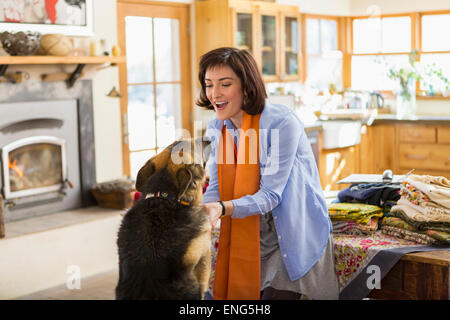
(290, 48)
(156, 81)
(269, 46)
(244, 31)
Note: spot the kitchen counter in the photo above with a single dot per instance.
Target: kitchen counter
(419, 118)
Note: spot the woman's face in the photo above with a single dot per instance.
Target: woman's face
(224, 91)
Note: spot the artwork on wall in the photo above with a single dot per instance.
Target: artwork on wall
(69, 17)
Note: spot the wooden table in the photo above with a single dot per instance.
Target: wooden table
(418, 275)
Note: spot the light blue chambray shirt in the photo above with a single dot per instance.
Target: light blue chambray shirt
(289, 187)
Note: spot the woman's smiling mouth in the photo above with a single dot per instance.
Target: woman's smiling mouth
(221, 105)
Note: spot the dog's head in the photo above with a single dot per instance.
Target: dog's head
(183, 165)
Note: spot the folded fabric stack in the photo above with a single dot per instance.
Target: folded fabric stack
(423, 209)
(378, 194)
(354, 218)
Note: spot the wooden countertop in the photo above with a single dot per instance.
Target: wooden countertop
(438, 257)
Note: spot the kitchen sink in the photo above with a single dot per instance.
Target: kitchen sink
(341, 134)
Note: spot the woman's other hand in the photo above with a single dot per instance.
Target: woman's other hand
(214, 211)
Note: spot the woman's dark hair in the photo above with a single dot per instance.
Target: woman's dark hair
(245, 67)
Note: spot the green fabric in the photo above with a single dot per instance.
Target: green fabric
(358, 212)
(437, 230)
(422, 225)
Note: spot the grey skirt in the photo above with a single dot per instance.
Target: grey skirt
(320, 283)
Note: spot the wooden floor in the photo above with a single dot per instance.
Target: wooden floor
(98, 287)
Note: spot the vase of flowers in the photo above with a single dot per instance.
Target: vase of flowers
(406, 77)
(406, 98)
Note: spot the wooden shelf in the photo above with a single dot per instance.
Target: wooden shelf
(9, 60)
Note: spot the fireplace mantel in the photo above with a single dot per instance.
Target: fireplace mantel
(80, 61)
(8, 60)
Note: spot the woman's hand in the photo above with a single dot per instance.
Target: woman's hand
(214, 211)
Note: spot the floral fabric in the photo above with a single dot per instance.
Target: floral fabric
(354, 253)
(412, 194)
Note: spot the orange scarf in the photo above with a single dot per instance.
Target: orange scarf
(238, 269)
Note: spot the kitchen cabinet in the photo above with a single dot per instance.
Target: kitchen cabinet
(398, 145)
(425, 148)
(336, 164)
(270, 31)
(404, 145)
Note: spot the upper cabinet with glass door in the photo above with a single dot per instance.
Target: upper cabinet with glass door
(290, 47)
(270, 31)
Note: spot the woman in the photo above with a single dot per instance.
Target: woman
(275, 233)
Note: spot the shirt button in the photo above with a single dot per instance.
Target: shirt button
(275, 217)
(284, 255)
(279, 237)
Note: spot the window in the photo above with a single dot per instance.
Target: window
(435, 50)
(323, 58)
(377, 43)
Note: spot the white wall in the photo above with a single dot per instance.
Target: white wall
(108, 143)
(326, 7)
(359, 7)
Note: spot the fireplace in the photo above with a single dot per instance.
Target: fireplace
(47, 161)
(33, 166)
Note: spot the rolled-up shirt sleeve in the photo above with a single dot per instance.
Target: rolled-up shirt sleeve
(212, 191)
(282, 153)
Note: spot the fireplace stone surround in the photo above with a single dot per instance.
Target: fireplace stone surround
(72, 118)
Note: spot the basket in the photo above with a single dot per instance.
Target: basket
(116, 194)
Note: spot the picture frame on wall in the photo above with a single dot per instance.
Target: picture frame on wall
(68, 17)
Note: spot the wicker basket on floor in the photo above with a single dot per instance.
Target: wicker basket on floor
(116, 194)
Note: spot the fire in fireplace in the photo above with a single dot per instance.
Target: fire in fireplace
(35, 165)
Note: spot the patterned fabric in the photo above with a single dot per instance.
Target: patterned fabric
(354, 228)
(437, 231)
(408, 235)
(396, 222)
(214, 247)
(442, 237)
(417, 219)
(412, 194)
(426, 211)
(354, 253)
(436, 188)
(357, 212)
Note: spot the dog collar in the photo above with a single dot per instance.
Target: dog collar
(166, 196)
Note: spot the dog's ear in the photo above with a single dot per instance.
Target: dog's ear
(144, 173)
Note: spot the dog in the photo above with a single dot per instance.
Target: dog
(164, 240)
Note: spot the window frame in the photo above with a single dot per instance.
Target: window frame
(416, 44)
(340, 42)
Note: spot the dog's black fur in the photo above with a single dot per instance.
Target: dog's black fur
(153, 240)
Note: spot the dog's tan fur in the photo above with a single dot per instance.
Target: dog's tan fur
(189, 179)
